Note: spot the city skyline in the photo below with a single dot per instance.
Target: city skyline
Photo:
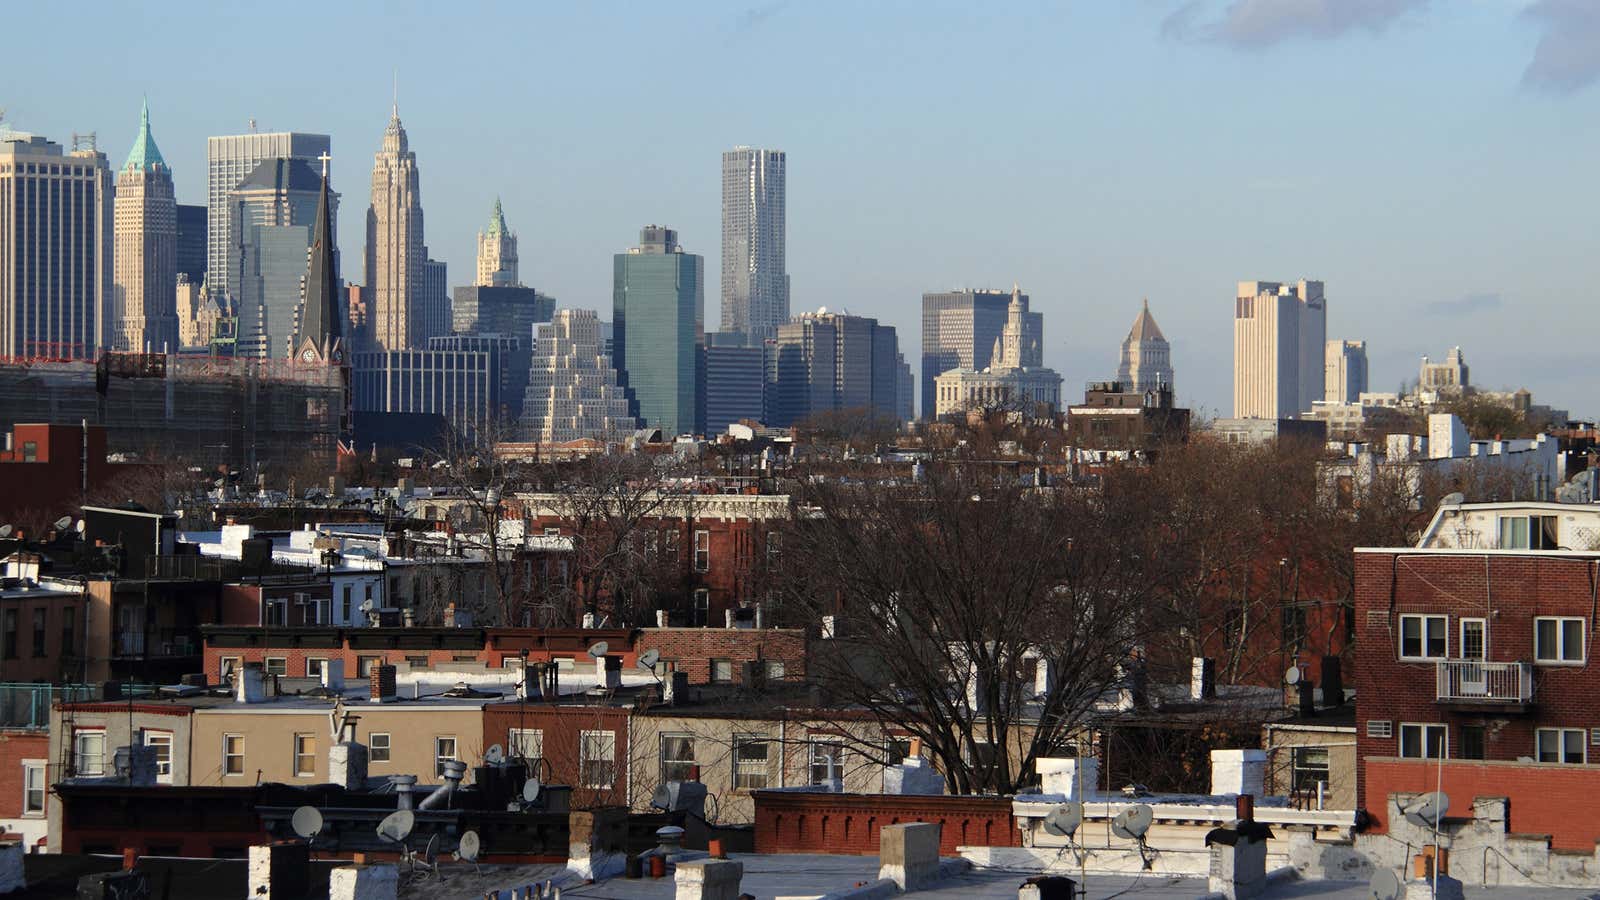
(1016, 183)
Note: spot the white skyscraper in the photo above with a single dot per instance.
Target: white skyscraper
(229, 159)
(1146, 356)
(397, 259)
(755, 280)
(497, 252)
(143, 310)
(1345, 368)
(572, 387)
(1279, 338)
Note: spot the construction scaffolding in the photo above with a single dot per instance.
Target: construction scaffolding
(203, 411)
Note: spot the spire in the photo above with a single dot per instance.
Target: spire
(144, 155)
(1145, 327)
(497, 219)
(319, 315)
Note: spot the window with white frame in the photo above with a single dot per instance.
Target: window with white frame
(444, 750)
(722, 671)
(827, 761)
(89, 751)
(233, 754)
(702, 551)
(677, 757)
(1561, 745)
(33, 787)
(305, 755)
(314, 666)
(320, 611)
(1474, 639)
(227, 666)
(1422, 740)
(378, 746)
(751, 753)
(1424, 637)
(276, 665)
(1311, 768)
(275, 611)
(597, 759)
(775, 669)
(1558, 640)
(1528, 533)
(527, 744)
(162, 742)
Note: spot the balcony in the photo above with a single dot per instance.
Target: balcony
(1476, 683)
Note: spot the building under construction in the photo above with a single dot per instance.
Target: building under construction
(194, 410)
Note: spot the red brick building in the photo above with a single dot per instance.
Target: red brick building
(582, 746)
(48, 471)
(25, 776)
(1480, 659)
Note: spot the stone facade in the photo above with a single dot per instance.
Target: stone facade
(497, 252)
(143, 314)
(395, 253)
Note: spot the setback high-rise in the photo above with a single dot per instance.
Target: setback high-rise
(1279, 339)
(961, 330)
(573, 391)
(1015, 377)
(658, 303)
(143, 313)
(755, 279)
(1146, 356)
(55, 248)
(229, 159)
(396, 257)
(497, 252)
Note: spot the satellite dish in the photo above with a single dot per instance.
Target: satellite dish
(366, 605)
(1063, 821)
(494, 756)
(1428, 810)
(530, 790)
(469, 846)
(1453, 499)
(396, 826)
(599, 649)
(1385, 885)
(1292, 676)
(63, 523)
(649, 658)
(306, 822)
(1133, 822)
(5, 531)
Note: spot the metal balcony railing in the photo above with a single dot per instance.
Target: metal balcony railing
(1479, 681)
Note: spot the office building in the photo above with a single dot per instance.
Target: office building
(1448, 377)
(192, 242)
(461, 387)
(403, 309)
(1345, 371)
(199, 316)
(959, 331)
(55, 248)
(1279, 341)
(1015, 378)
(509, 358)
(735, 381)
(658, 303)
(273, 213)
(431, 315)
(497, 252)
(833, 362)
(480, 309)
(1146, 356)
(755, 279)
(142, 315)
(573, 391)
(907, 393)
(229, 159)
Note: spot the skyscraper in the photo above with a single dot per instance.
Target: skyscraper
(143, 313)
(960, 330)
(192, 242)
(1146, 356)
(497, 252)
(229, 159)
(55, 248)
(1345, 371)
(1014, 378)
(273, 212)
(1279, 341)
(573, 391)
(735, 380)
(755, 279)
(396, 255)
(833, 361)
(658, 303)
(499, 310)
(431, 314)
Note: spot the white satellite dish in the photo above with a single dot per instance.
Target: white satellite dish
(1063, 821)
(1132, 823)
(366, 605)
(1453, 499)
(649, 658)
(1428, 810)
(5, 531)
(1385, 885)
(530, 790)
(599, 649)
(63, 523)
(396, 826)
(469, 847)
(494, 756)
(306, 822)
(1292, 676)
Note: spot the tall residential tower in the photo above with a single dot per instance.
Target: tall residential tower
(144, 298)
(755, 280)
(1279, 338)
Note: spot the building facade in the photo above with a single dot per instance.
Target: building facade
(1345, 371)
(497, 252)
(959, 330)
(55, 248)
(734, 386)
(508, 310)
(1279, 339)
(395, 254)
(658, 304)
(1115, 416)
(831, 362)
(1016, 378)
(1448, 377)
(273, 213)
(573, 392)
(1146, 356)
(462, 387)
(192, 242)
(755, 278)
(229, 159)
(143, 314)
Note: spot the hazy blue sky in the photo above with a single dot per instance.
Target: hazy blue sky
(1433, 162)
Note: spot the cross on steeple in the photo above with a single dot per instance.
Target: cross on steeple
(324, 157)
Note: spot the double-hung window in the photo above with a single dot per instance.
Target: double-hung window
(89, 751)
(1422, 740)
(677, 757)
(1558, 640)
(827, 761)
(378, 746)
(33, 787)
(305, 755)
(750, 755)
(444, 750)
(1311, 768)
(1561, 745)
(597, 759)
(161, 741)
(1424, 637)
(702, 551)
(527, 744)
(233, 754)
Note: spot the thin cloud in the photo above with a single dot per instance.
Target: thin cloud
(1466, 305)
(755, 16)
(1567, 58)
(1259, 24)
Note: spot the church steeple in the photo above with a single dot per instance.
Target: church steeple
(320, 331)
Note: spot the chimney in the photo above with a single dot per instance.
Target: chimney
(1203, 679)
(250, 684)
(611, 671)
(382, 684)
(333, 674)
(1308, 698)
(347, 765)
(761, 616)
(661, 618)
(675, 687)
(532, 684)
(1332, 682)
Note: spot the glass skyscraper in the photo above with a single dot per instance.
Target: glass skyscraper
(658, 301)
(229, 159)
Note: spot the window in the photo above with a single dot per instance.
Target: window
(1310, 769)
(33, 788)
(30, 451)
(722, 671)
(417, 662)
(305, 756)
(1474, 639)
(1471, 742)
(677, 758)
(896, 750)
(378, 746)
(314, 666)
(702, 551)
(227, 666)
(827, 762)
(89, 752)
(320, 611)
(444, 750)
(364, 666)
(1294, 628)
(597, 759)
(233, 754)
(10, 648)
(526, 744)
(1528, 533)
(1424, 637)
(1558, 640)
(161, 741)
(1560, 745)
(1422, 741)
(750, 753)
(774, 670)
(984, 756)
(702, 607)
(774, 548)
(38, 631)
(69, 630)
(276, 665)
(344, 604)
(275, 611)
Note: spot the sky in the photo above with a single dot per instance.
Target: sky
(1432, 161)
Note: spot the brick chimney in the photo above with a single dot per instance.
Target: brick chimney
(383, 684)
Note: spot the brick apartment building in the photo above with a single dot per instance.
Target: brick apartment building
(48, 471)
(1476, 661)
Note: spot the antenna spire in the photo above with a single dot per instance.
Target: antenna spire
(395, 109)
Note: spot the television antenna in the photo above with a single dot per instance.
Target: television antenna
(1385, 885)
(307, 823)
(1131, 824)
